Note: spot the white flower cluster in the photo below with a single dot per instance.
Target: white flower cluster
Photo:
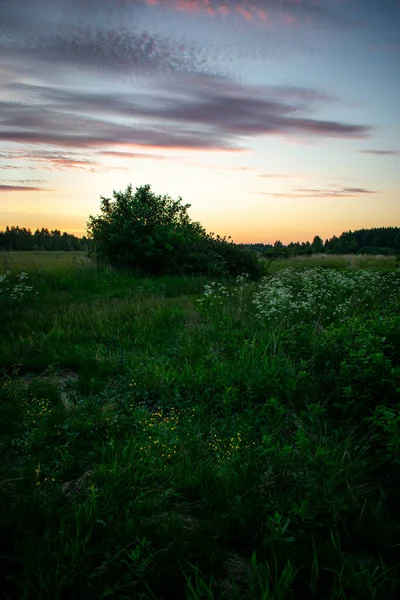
(215, 293)
(317, 292)
(15, 291)
(242, 280)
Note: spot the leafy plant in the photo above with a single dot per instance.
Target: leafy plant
(154, 234)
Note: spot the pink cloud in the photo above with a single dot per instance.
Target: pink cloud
(247, 10)
(261, 13)
(244, 12)
(289, 18)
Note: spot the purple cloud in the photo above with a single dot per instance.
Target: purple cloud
(382, 152)
(14, 168)
(191, 113)
(22, 188)
(347, 192)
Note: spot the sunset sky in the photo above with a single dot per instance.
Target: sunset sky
(274, 119)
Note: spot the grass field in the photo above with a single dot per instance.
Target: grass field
(62, 261)
(336, 261)
(179, 438)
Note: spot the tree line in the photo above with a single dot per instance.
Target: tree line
(22, 238)
(377, 240)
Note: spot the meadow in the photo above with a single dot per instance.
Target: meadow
(189, 438)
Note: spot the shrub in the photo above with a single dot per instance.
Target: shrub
(155, 235)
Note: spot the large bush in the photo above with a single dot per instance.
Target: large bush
(154, 234)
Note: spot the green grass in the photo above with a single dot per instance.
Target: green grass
(154, 446)
(335, 261)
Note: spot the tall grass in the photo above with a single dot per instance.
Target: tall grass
(163, 439)
(335, 261)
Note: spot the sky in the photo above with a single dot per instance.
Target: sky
(273, 119)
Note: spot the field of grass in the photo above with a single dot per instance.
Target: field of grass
(336, 261)
(179, 438)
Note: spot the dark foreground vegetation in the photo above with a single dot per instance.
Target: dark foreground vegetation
(229, 430)
(164, 440)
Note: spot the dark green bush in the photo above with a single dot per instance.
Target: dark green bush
(154, 234)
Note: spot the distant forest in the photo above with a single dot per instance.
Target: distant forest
(21, 238)
(379, 240)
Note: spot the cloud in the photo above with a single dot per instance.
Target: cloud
(137, 155)
(65, 162)
(52, 160)
(186, 113)
(348, 192)
(281, 175)
(74, 36)
(17, 14)
(56, 161)
(143, 53)
(26, 181)
(22, 188)
(290, 11)
(144, 155)
(382, 152)
(120, 37)
(247, 10)
(121, 135)
(14, 168)
(192, 104)
(204, 166)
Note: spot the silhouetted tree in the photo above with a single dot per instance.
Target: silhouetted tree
(155, 234)
(317, 244)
